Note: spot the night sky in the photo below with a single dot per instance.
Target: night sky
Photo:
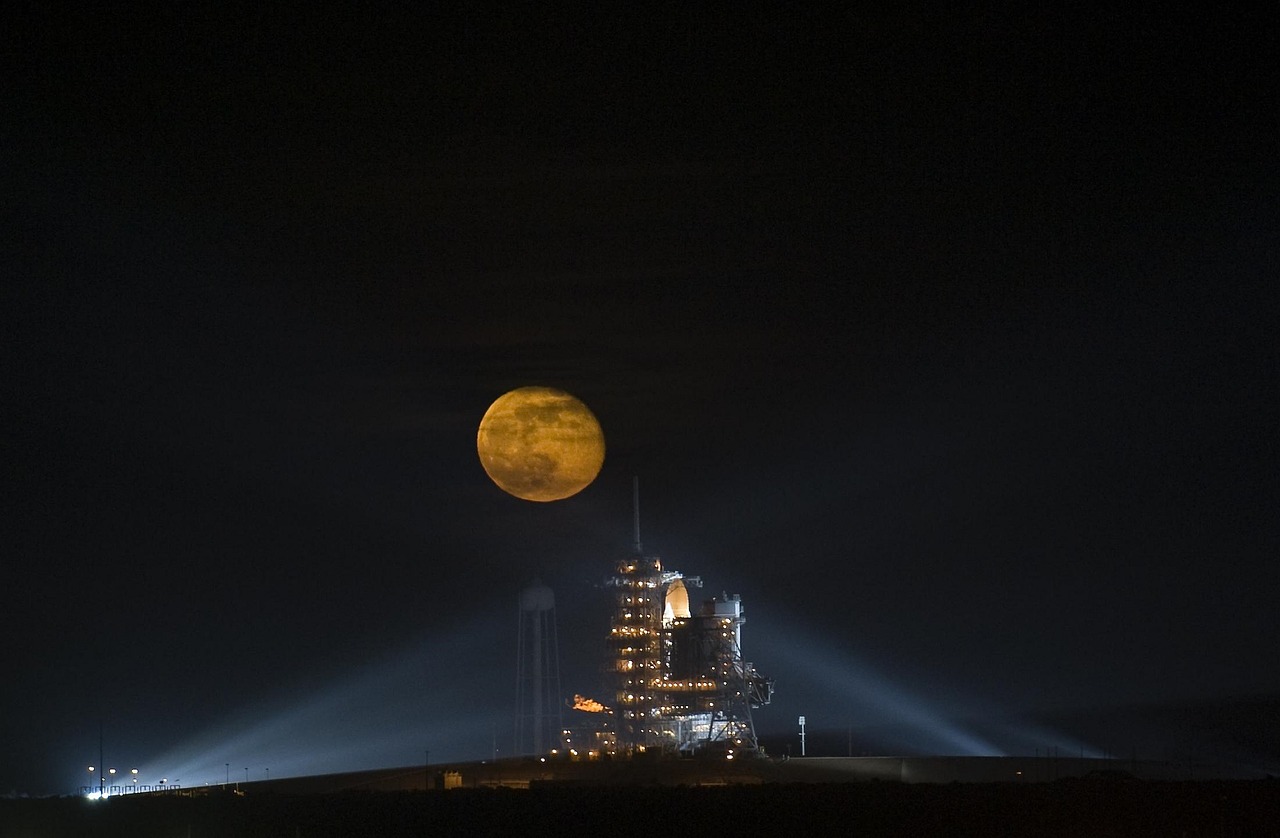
(948, 342)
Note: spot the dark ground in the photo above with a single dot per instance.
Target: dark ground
(1066, 808)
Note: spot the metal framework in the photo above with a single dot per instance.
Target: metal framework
(680, 682)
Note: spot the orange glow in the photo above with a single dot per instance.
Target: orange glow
(587, 705)
(540, 444)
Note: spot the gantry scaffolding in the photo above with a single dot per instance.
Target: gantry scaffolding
(635, 643)
(680, 682)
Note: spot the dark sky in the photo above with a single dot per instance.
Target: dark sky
(945, 341)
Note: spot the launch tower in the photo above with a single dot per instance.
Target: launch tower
(681, 684)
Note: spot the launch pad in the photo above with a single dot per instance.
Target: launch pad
(681, 683)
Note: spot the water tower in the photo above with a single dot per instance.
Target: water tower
(538, 701)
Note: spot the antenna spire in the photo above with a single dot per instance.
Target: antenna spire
(635, 502)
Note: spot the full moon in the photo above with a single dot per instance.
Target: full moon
(540, 444)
